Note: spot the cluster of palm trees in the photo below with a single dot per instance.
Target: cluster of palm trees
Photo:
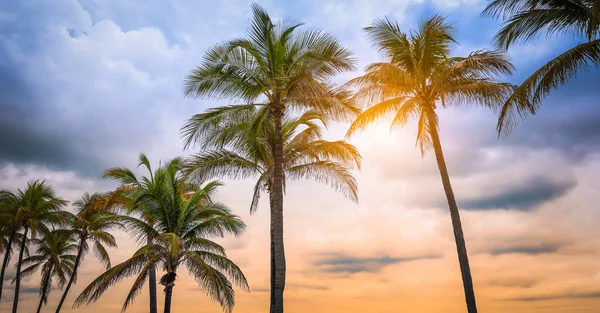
(279, 79)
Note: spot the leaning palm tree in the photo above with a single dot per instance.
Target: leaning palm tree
(282, 67)
(131, 188)
(35, 208)
(418, 76)
(55, 257)
(91, 224)
(185, 216)
(526, 20)
(241, 147)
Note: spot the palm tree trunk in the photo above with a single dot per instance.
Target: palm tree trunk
(276, 202)
(6, 259)
(18, 273)
(73, 275)
(45, 289)
(39, 309)
(152, 286)
(168, 296)
(459, 238)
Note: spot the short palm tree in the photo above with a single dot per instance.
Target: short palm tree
(184, 217)
(418, 76)
(8, 231)
(55, 256)
(131, 188)
(241, 147)
(92, 223)
(282, 67)
(35, 209)
(526, 20)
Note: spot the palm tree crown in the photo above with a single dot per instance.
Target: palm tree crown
(241, 147)
(55, 256)
(420, 74)
(527, 20)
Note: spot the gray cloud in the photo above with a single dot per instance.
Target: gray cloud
(344, 264)
(582, 295)
(525, 196)
(308, 286)
(511, 283)
(542, 248)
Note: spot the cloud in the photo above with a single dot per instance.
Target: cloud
(525, 196)
(580, 295)
(542, 248)
(340, 263)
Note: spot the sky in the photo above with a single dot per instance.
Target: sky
(87, 85)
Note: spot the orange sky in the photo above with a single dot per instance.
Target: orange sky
(387, 254)
(529, 203)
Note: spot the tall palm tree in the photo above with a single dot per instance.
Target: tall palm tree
(418, 76)
(241, 147)
(55, 257)
(184, 216)
(91, 224)
(131, 188)
(526, 20)
(35, 208)
(279, 66)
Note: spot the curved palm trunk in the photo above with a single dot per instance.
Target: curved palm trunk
(276, 203)
(73, 275)
(461, 246)
(6, 259)
(18, 273)
(152, 286)
(44, 290)
(168, 296)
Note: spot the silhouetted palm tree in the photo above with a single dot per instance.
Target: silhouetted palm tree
(526, 20)
(92, 222)
(418, 76)
(281, 67)
(184, 217)
(55, 257)
(35, 208)
(241, 147)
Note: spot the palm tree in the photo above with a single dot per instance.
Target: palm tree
(281, 67)
(184, 216)
(131, 188)
(526, 20)
(419, 75)
(241, 147)
(92, 222)
(55, 256)
(8, 230)
(35, 208)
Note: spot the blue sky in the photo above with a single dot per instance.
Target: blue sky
(86, 85)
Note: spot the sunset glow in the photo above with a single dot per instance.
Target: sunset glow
(88, 85)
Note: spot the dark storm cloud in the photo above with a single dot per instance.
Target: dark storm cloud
(542, 248)
(524, 196)
(67, 110)
(344, 264)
